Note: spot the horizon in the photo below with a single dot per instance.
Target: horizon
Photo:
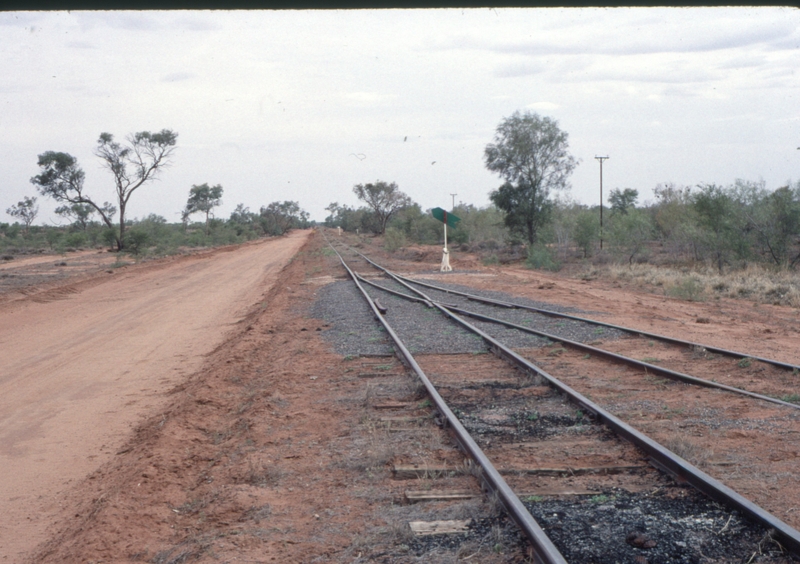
(302, 105)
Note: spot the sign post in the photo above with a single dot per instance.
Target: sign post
(447, 219)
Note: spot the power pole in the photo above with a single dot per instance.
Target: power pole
(601, 159)
(454, 201)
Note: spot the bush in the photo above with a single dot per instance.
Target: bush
(75, 240)
(587, 231)
(689, 288)
(136, 240)
(541, 257)
(109, 236)
(53, 238)
(393, 239)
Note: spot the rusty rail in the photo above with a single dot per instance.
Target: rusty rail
(551, 313)
(544, 550)
(660, 456)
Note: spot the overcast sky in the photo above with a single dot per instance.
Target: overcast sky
(302, 105)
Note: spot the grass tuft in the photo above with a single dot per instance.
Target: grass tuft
(756, 282)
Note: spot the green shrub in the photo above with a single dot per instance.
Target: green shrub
(109, 236)
(393, 239)
(541, 257)
(689, 288)
(136, 240)
(75, 240)
(53, 237)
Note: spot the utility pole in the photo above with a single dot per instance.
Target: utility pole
(601, 159)
(454, 201)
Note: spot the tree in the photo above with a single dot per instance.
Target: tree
(384, 199)
(722, 223)
(346, 217)
(241, 215)
(279, 218)
(26, 210)
(630, 233)
(526, 210)
(775, 219)
(203, 199)
(530, 153)
(622, 200)
(587, 231)
(676, 219)
(242, 219)
(132, 165)
(79, 214)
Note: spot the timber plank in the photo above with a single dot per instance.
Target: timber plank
(426, 528)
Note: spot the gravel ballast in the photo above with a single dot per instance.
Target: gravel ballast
(354, 331)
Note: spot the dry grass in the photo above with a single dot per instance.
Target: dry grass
(689, 450)
(779, 287)
(263, 475)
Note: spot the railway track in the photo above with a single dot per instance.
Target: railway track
(554, 459)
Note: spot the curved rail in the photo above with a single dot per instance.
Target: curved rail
(551, 313)
(545, 551)
(660, 456)
(655, 369)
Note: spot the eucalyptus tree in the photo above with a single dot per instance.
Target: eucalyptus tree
(530, 153)
(774, 221)
(279, 218)
(80, 214)
(203, 198)
(384, 199)
(132, 164)
(622, 200)
(26, 211)
(722, 223)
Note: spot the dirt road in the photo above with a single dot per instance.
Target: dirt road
(82, 365)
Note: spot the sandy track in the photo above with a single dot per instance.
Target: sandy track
(82, 366)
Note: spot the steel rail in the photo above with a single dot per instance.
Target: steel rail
(661, 457)
(660, 370)
(551, 313)
(400, 294)
(654, 368)
(545, 551)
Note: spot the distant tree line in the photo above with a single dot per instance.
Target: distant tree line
(134, 163)
(724, 226)
(727, 226)
(153, 234)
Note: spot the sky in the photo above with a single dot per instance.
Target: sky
(304, 104)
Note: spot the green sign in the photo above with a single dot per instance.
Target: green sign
(445, 216)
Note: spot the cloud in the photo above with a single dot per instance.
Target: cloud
(520, 69)
(679, 91)
(178, 76)
(651, 75)
(367, 98)
(130, 21)
(80, 45)
(20, 19)
(195, 23)
(742, 62)
(544, 106)
(676, 31)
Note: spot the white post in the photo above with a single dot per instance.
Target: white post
(446, 256)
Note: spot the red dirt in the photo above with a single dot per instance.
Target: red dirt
(85, 362)
(188, 408)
